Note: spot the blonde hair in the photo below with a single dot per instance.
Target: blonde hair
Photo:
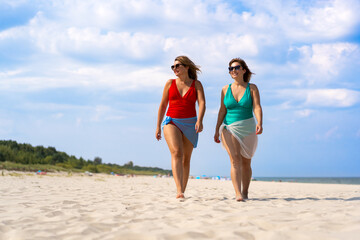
(193, 69)
(248, 73)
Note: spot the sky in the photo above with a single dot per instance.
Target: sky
(86, 77)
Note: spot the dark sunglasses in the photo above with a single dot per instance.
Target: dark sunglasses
(236, 68)
(176, 66)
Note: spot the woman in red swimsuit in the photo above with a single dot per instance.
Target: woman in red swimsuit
(181, 125)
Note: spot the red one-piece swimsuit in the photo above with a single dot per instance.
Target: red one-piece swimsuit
(182, 106)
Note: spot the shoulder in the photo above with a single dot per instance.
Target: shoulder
(253, 87)
(198, 84)
(225, 88)
(169, 82)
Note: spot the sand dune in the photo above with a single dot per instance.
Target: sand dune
(57, 206)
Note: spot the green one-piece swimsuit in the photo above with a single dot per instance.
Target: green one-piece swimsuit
(239, 121)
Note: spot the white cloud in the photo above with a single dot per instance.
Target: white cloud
(14, 3)
(67, 37)
(309, 21)
(111, 14)
(313, 98)
(68, 74)
(335, 19)
(304, 112)
(90, 41)
(65, 52)
(212, 48)
(324, 62)
(332, 98)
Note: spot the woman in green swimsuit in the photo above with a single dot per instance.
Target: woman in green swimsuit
(236, 124)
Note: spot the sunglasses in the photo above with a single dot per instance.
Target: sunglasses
(176, 66)
(236, 68)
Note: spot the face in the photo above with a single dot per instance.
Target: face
(179, 68)
(236, 70)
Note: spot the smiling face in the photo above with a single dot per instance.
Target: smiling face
(179, 69)
(236, 71)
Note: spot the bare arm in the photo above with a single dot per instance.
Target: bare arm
(257, 108)
(202, 106)
(162, 109)
(221, 115)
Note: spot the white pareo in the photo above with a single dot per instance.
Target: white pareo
(245, 132)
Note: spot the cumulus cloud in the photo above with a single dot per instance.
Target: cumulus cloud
(72, 74)
(314, 98)
(324, 62)
(332, 98)
(95, 43)
(308, 21)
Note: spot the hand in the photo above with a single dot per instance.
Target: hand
(158, 134)
(259, 129)
(216, 137)
(198, 127)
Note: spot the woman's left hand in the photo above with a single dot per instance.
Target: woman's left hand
(198, 127)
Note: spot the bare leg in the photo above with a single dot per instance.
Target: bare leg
(232, 146)
(188, 148)
(246, 173)
(174, 140)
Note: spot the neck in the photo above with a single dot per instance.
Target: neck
(240, 82)
(184, 79)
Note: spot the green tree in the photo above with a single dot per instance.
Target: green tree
(2, 157)
(129, 164)
(97, 160)
(8, 154)
(59, 158)
(48, 160)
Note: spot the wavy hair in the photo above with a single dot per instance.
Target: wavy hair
(248, 73)
(193, 69)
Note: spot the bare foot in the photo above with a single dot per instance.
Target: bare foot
(239, 198)
(180, 195)
(245, 195)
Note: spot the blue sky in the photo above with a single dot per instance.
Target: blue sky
(86, 77)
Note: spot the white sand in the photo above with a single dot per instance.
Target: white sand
(113, 207)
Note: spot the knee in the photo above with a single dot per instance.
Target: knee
(246, 164)
(235, 162)
(186, 161)
(177, 153)
(235, 158)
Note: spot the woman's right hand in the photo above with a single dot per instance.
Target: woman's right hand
(158, 134)
(216, 137)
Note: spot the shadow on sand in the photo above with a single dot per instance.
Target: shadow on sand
(306, 198)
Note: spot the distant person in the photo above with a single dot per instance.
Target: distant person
(181, 125)
(236, 124)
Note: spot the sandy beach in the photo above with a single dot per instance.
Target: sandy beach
(62, 206)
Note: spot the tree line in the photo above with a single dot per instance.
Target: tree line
(26, 154)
